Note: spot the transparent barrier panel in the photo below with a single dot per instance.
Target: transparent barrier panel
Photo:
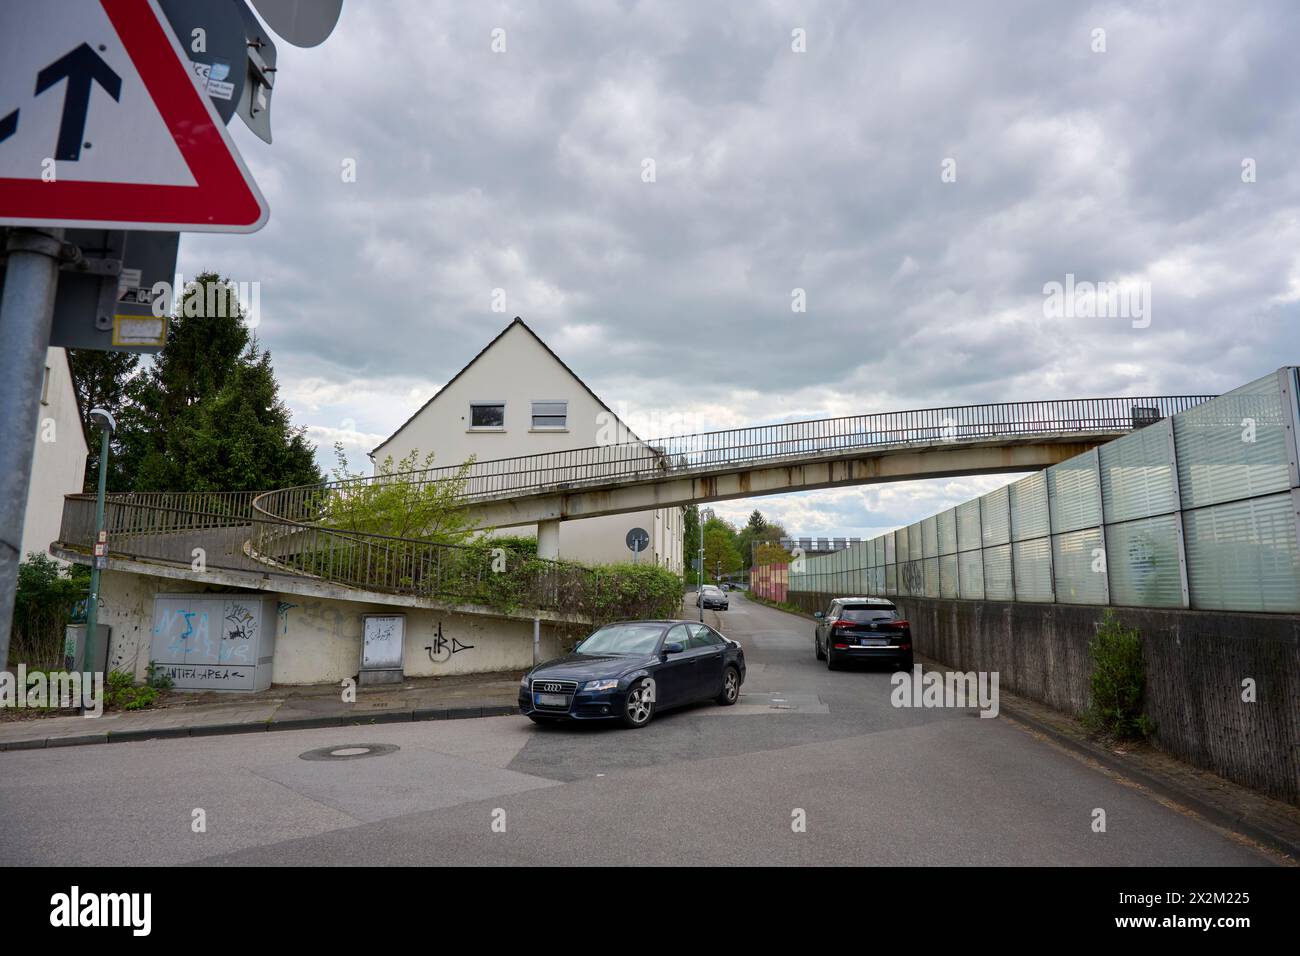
(1142, 561)
(998, 579)
(1234, 446)
(1079, 567)
(1029, 507)
(1073, 494)
(1243, 555)
(1032, 564)
(970, 571)
(995, 517)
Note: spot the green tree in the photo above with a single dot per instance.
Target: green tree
(690, 540)
(206, 415)
(719, 551)
(758, 530)
(43, 606)
(769, 552)
(101, 380)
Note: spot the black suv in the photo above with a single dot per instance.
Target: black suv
(862, 628)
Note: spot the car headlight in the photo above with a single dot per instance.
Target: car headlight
(523, 682)
(600, 685)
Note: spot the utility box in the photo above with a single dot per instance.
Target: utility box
(74, 648)
(383, 637)
(215, 641)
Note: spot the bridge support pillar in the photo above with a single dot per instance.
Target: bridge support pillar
(548, 539)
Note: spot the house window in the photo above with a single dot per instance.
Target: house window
(487, 415)
(550, 415)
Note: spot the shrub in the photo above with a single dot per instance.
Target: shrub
(1118, 682)
(44, 603)
(120, 691)
(156, 678)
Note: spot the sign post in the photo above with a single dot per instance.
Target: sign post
(638, 539)
(26, 311)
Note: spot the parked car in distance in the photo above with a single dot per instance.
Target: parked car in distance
(712, 597)
(862, 628)
(632, 670)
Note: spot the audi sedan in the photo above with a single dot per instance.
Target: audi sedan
(633, 670)
(863, 628)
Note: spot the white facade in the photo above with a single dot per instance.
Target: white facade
(516, 397)
(58, 457)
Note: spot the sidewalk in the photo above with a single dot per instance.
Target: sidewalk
(279, 708)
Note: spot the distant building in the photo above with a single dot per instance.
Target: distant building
(58, 457)
(516, 397)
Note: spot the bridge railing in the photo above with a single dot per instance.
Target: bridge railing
(221, 532)
(647, 460)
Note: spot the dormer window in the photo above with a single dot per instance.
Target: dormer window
(550, 416)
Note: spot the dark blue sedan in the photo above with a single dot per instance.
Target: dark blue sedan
(631, 670)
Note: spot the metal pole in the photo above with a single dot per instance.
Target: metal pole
(700, 527)
(92, 603)
(537, 639)
(26, 312)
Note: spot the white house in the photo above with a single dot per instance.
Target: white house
(58, 457)
(516, 397)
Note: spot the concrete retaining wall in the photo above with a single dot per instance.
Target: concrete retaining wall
(318, 640)
(1196, 662)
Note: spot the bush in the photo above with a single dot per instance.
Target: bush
(156, 678)
(122, 692)
(44, 605)
(1118, 682)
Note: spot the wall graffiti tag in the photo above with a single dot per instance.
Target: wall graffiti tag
(913, 574)
(442, 649)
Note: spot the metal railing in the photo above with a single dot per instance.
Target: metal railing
(706, 452)
(221, 538)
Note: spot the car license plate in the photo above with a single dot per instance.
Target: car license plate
(552, 700)
(872, 642)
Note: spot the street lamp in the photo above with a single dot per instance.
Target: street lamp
(700, 592)
(104, 419)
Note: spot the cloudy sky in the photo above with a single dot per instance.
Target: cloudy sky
(921, 171)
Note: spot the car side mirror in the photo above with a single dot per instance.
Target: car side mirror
(818, 614)
(673, 647)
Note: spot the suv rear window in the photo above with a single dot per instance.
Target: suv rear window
(869, 612)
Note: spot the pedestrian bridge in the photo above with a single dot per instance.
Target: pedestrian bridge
(295, 532)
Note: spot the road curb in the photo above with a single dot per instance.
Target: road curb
(293, 723)
(1193, 801)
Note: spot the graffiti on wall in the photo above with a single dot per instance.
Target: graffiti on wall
(442, 649)
(206, 640)
(913, 577)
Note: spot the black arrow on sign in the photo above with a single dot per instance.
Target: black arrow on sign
(80, 68)
(8, 125)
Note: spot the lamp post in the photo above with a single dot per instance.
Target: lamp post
(107, 426)
(701, 587)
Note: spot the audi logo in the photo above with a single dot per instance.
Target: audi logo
(550, 687)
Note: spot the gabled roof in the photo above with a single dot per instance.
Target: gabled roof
(483, 351)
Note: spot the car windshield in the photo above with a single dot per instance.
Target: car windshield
(869, 612)
(622, 639)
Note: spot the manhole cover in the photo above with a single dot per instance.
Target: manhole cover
(349, 752)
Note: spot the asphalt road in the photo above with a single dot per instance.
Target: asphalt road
(877, 785)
